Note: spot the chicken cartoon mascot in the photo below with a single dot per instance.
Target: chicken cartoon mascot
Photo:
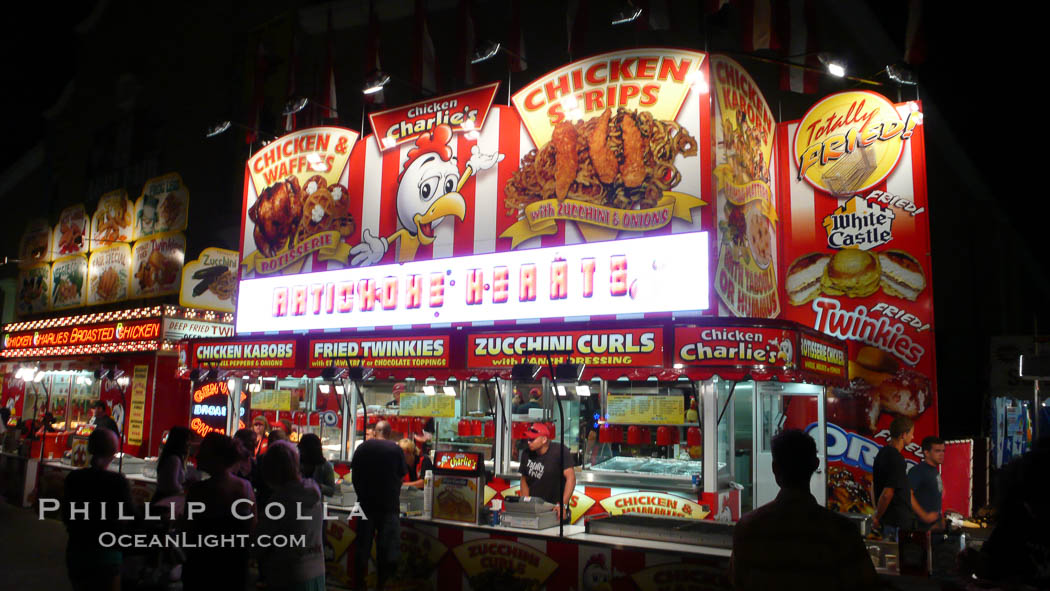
(427, 193)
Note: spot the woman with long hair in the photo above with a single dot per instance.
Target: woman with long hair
(171, 465)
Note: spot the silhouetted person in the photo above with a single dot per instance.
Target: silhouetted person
(313, 464)
(276, 434)
(298, 568)
(1018, 549)
(376, 470)
(792, 542)
(90, 565)
(171, 465)
(221, 567)
(895, 504)
(246, 466)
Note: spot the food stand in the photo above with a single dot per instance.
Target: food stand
(603, 255)
(51, 366)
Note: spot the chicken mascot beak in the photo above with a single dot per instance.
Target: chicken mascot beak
(446, 205)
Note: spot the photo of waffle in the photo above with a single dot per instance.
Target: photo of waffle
(855, 274)
(624, 160)
(286, 212)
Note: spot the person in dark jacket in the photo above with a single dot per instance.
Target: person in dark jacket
(313, 464)
(89, 563)
(377, 468)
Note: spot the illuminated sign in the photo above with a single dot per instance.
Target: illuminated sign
(245, 354)
(208, 408)
(820, 356)
(601, 348)
(177, 329)
(734, 345)
(654, 274)
(386, 352)
(129, 335)
(462, 111)
(457, 461)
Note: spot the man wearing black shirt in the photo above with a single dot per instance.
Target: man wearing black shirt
(101, 419)
(894, 499)
(376, 470)
(925, 480)
(539, 467)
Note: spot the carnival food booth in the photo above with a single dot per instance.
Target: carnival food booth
(57, 369)
(604, 255)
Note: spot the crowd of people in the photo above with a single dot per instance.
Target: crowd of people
(233, 476)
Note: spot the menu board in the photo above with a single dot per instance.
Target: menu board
(109, 269)
(34, 289)
(71, 233)
(210, 281)
(245, 354)
(423, 405)
(157, 264)
(112, 219)
(69, 282)
(746, 276)
(272, 400)
(137, 404)
(162, 207)
(387, 352)
(627, 409)
(35, 245)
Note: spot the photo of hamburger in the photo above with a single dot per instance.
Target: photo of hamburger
(852, 273)
(902, 275)
(803, 278)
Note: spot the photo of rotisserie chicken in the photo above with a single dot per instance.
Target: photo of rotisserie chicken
(276, 215)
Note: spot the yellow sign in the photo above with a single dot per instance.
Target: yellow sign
(578, 505)
(422, 405)
(645, 410)
(541, 217)
(653, 503)
(210, 282)
(851, 141)
(653, 80)
(272, 400)
(137, 410)
(490, 554)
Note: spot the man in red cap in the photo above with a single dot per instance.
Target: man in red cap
(396, 400)
(535, 401)
(544, 466)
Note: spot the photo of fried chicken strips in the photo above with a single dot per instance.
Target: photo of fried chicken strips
(623, 159)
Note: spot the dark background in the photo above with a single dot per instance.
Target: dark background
(102, 95)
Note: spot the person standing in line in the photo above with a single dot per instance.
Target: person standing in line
(224, 567)
(376, 470)
(314, 465)
(542, 466)
(926, 483)
(815, 547)
(90, 565)
(291, 568)
(895, 501)
(171, 466)
(261, 428)
(246, 467)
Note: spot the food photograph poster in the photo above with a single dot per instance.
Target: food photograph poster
(856, 264)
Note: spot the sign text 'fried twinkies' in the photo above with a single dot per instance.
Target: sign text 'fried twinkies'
(381, 352)
(653, 274)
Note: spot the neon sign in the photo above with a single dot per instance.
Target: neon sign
(653, 274)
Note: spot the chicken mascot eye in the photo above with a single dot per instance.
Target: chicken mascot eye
(428, 187)
(450, 184)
